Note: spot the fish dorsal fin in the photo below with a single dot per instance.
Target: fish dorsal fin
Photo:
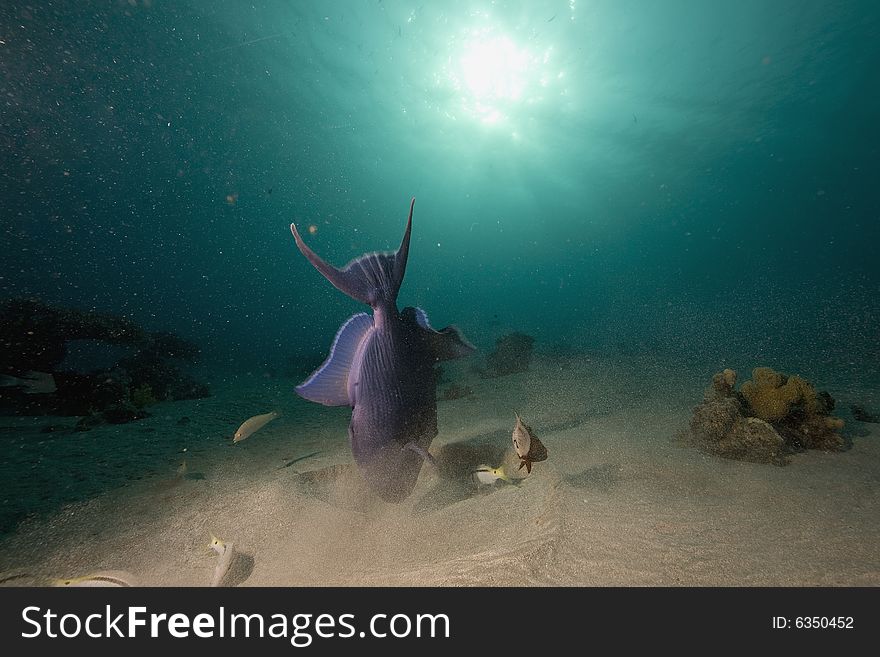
(446, 344)
(421, 318)
(328, 385)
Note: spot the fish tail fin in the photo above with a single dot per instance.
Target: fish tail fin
(374, 278)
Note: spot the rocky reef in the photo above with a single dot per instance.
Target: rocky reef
(770, 417)
(34, 336)
(34, 339)
(512, 354)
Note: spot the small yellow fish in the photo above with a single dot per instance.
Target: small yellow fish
(253, 425)
(486, 475)
(216, 544)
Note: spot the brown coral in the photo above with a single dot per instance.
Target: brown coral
(723, 382)
(771, 415)
(771, 395)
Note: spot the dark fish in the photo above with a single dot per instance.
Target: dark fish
(382, 366)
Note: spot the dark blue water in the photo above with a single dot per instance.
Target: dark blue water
(690, 177)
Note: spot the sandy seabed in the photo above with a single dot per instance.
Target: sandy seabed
(618, 502)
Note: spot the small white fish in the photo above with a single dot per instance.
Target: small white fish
(99, 579)
(225, 556)
(486, 475)
(522, 439)
(253, 425)
(527, 445)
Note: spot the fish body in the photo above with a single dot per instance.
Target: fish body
(225, 556)
(252, 425)
(522, 437)
(382, 367)
(527, 445)
(486, 475)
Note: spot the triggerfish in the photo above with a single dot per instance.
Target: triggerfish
(382, 366)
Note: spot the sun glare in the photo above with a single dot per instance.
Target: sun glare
(492, 76)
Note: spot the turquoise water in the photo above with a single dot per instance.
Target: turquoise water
(685, 175)
(685, 181)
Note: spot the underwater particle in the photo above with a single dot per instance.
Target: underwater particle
(313, 229)
(231, 199)
(252, 425)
